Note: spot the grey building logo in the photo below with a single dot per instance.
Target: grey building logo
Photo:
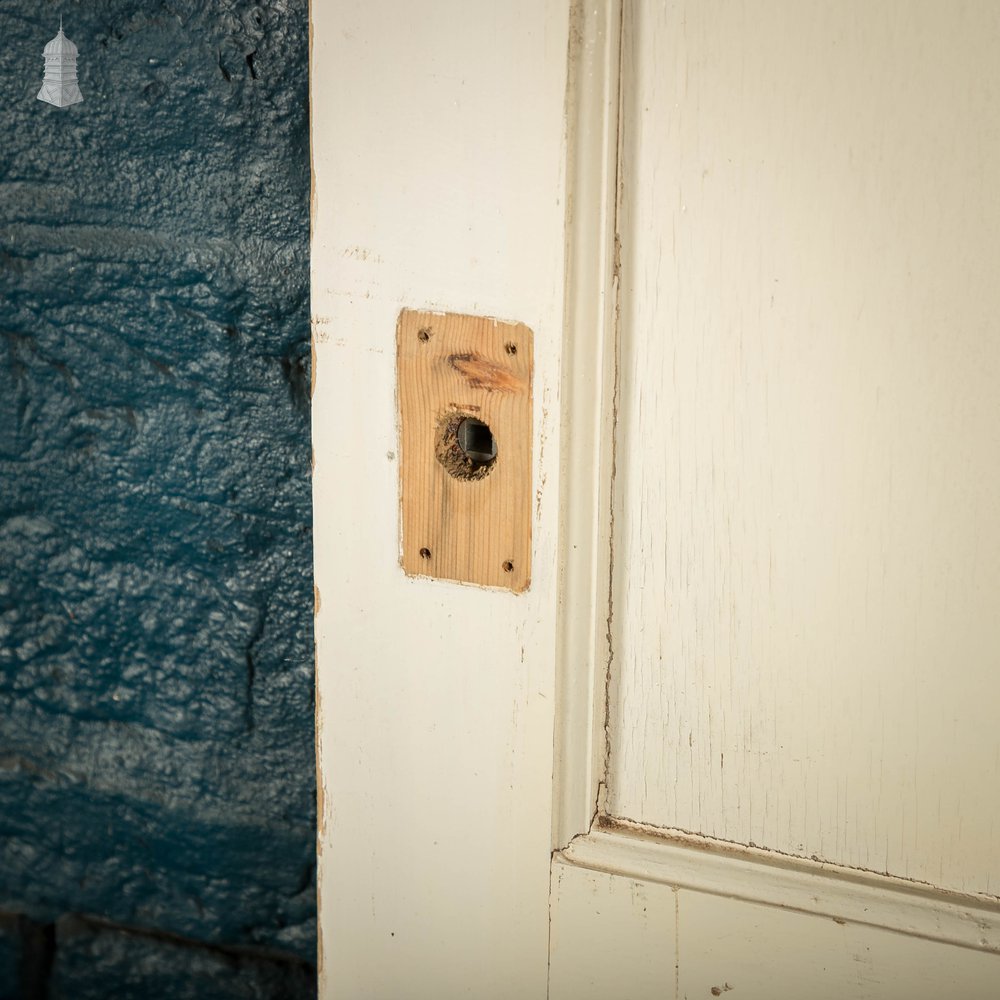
(59, 86)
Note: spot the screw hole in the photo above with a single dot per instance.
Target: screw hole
(425, 553)
(424, 335)
(508, 567)
(511, 348)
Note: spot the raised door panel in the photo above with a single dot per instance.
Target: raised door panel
(807, 530)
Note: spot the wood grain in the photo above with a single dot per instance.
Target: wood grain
(807, 551)
(460, 524)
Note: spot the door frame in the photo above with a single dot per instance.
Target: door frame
(439, 183)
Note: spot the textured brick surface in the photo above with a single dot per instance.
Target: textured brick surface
(156, 752)
(10, 957)
(88, 958)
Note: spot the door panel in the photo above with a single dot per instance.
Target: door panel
(627, 937)
(807, 550)
(611, 936)
(765, 953)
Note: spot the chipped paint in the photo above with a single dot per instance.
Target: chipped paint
(486, 375)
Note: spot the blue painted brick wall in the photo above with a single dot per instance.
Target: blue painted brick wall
(156, 715)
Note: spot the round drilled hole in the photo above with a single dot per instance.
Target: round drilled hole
(425, 553)
(465, 446)
(511, 348)
(424, 334)
(508, 567)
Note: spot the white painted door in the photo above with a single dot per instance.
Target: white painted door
(809, 503)
(738, 734)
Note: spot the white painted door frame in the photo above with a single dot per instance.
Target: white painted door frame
(439, 167)
(589, 395)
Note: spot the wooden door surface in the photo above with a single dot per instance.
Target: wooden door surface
(736, 734)
(796, 767)
(439, 185)
(808, 524)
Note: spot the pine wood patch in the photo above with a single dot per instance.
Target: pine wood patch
(465, 516)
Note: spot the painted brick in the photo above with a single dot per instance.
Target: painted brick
(10, 957)
(156, 741)
(141, 967)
